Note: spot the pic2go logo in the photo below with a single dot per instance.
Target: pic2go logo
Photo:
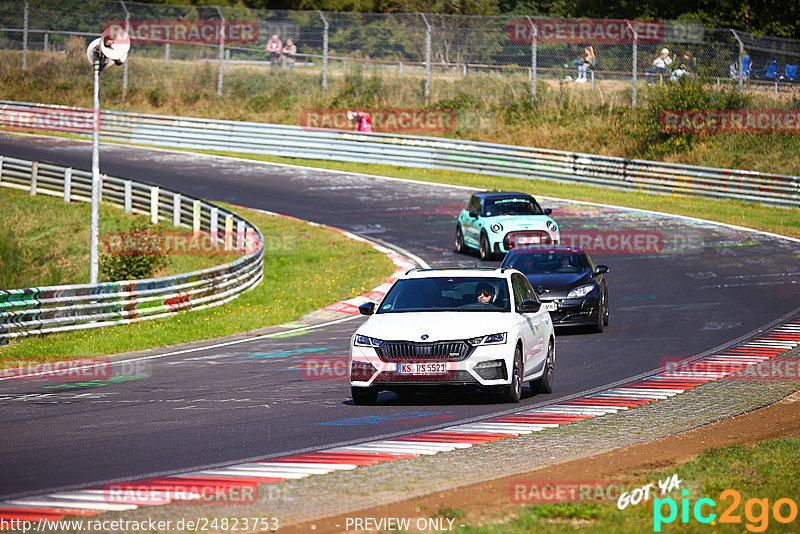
(756, 511)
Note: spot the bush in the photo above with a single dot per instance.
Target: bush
(688, 93)
(133, 266)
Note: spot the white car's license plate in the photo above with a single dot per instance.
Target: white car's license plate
(528, 240)
(549, 306)
(424, 368)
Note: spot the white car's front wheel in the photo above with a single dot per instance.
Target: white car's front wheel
(513, 392)
(544, 384)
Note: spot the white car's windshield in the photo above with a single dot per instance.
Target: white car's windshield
(447, 294)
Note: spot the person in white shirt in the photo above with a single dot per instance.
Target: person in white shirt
(660, 65)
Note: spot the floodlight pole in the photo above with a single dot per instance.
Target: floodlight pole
(95, 229)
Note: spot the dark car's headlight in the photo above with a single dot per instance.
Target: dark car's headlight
(496, 228)
(580, 291)
(492, 339)
(365, 341)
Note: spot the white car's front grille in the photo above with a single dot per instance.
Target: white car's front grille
(400, 351)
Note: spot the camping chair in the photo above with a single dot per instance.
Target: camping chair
(733, 70)
(789, 73)
(769, 72)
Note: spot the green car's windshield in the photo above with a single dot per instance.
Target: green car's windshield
(511, 206)
(447, 294)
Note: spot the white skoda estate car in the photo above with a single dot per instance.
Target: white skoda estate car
(445, 328)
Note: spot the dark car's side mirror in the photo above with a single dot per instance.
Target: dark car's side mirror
(600, 269)
(473, 214)
(548, 211)
(368, 308)
(529, 306)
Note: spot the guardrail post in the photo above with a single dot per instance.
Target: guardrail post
(176, 209)
(427, 57)
(247, 238)
(34, 176)
(196, 217)
(67, 184)
(228, 232)
(128, 196)
(1, 169)
(46, 39)
(166, 54)
(214, 225)
(25, 38)
(324, 53)
(239, 235)
(154, 205)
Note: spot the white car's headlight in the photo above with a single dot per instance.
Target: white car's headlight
(365, 341)
(496, 228)
(580, 291)
(492, 339)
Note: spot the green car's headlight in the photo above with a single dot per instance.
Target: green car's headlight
(496, 228)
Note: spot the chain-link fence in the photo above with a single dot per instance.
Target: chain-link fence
(414, 58)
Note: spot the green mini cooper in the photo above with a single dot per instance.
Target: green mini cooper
(495, 222)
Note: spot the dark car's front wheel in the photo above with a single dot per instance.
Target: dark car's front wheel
(364, 396)
(602, 315)
(461, 248)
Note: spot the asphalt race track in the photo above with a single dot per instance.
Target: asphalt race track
(214, 406)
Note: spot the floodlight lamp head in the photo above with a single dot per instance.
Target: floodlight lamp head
(115, 44)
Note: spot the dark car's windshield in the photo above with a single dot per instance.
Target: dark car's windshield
(447, 294)
(547, 262)
(511, 206)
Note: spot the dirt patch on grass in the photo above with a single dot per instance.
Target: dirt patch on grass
(491, 499)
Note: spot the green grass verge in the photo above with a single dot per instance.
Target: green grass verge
(306, 267)
(765, 472)
(782, 221)
(45, 241)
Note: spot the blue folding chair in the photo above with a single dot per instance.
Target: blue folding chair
(789, 73)
(770, 72)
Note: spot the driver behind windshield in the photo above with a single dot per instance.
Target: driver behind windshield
(485, 293)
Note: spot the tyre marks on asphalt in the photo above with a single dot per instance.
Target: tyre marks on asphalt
(214, 482)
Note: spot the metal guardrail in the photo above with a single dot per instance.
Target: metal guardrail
(44, 310)
(416, 151)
